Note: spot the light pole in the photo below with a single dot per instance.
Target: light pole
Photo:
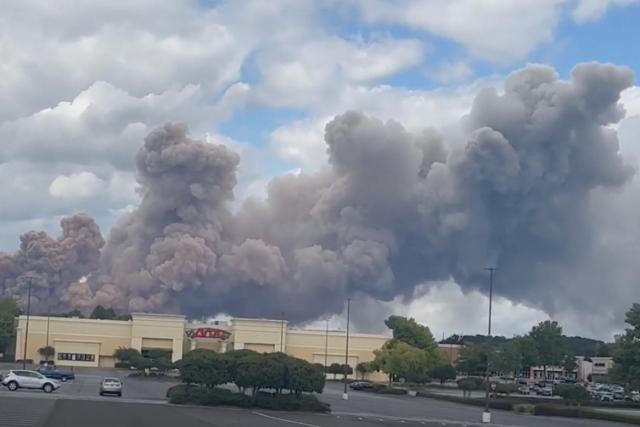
(282, 333)
(486, 416)
(26, 329)
(326, 347)
(345, 394)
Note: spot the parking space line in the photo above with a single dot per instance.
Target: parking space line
(284, 420)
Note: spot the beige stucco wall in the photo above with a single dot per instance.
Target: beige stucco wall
(72, 335)
(259, 334)
(310, 345)
(103, 337)
(149, 330)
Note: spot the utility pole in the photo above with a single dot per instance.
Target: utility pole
(48, 317)
(26, 329)
(486, 416)
(282, 333)
(345, 394)
(326, 348)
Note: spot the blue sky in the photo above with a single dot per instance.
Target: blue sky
(606, 38)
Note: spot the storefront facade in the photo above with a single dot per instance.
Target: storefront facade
(88, 342)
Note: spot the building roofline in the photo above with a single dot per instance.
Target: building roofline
(351, 334)
(72, 319)
(251, 319)
(159, 315)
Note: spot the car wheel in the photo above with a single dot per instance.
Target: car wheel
(101, 394)
(13, 386)
(119, 394)
(63, 379)
(47, 388)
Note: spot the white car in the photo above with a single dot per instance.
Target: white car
(29, 379)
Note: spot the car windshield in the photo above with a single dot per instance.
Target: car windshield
(319, 212)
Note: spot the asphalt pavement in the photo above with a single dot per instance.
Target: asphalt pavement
(423, 409)
(65, 412)
(77, 403)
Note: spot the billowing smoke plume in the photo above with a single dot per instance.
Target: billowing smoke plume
(393, 210)
(52, 267)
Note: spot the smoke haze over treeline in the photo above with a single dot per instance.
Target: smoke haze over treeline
(394, 209)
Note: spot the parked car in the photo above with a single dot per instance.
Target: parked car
(523, 389)
(29, 379)
(52, 372)
(606, 396)
(111, 386)
(360, 385)
(545, 391)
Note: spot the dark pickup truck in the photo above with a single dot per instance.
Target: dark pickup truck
(55, 374)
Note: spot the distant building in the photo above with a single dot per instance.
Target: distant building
(91, 342)
(594, 369)
(451, 352)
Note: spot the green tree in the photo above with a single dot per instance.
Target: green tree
(233, 359)
(626, 353)
(258, 372)
(473, 359)
(364, 368)
(125, 354)
(302, 376)
(443, 373)
(547, 337)
(206, 368)
(334, 368)
(506, 359)
(400, 360)
(8, 312)
(528, 351)
(47, 352)
(574, 394)
(569, 363)
(411, 332)
(103, 313)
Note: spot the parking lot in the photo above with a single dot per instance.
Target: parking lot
(87, 386)
(77, 403)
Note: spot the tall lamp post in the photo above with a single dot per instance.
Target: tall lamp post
(345, 394)
(326, 348)
(282, 333)
(26, 329)
(486, 415)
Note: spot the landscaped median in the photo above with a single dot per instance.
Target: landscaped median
(524, 405)
(268, 381)
(216, 396)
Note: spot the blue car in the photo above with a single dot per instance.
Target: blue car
(55, 374)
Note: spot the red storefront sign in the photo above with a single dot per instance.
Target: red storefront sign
(208, 333)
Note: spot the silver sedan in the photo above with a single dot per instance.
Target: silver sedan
(111, 386)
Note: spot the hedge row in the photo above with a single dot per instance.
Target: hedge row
(576, 412)
(505, 404)
(185, 394)
(545, 409)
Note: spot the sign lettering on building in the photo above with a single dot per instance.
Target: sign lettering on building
(208, 333)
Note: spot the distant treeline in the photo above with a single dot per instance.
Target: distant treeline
(576, 345)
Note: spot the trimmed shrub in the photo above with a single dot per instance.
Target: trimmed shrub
(507, 389)
(390, 390)
(523, 408)
(471, 383)
(192, 394)
(572, 393)
(122, 365)
(288, 402)
(575, 412)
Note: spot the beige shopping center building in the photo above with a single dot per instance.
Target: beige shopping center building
(89, 342)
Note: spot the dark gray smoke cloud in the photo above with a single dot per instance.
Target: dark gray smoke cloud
(52, 266)
(393, 210)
